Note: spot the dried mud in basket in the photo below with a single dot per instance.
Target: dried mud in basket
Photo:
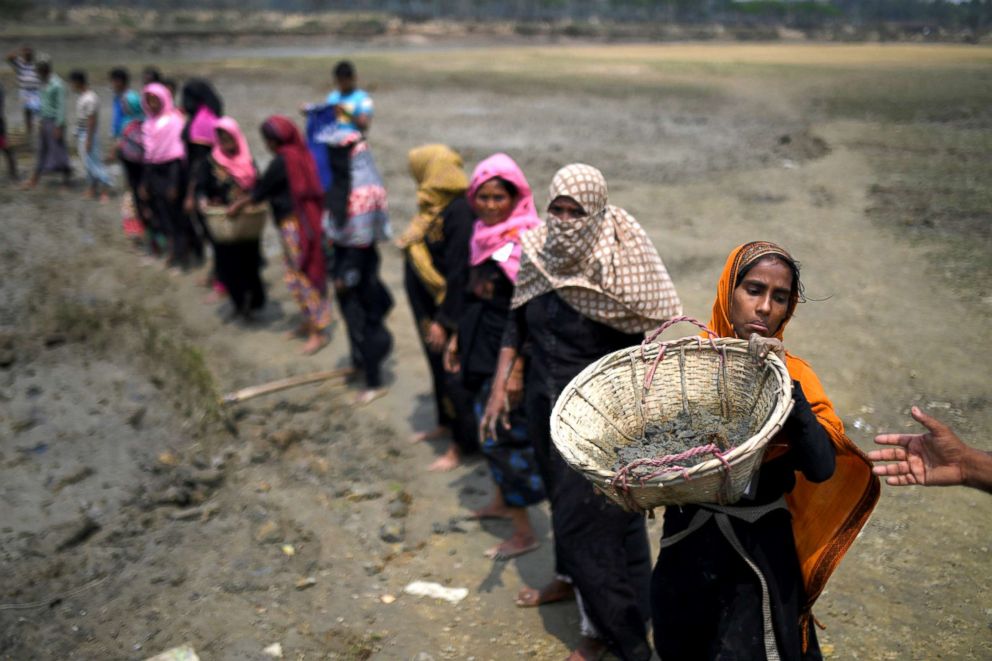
(683, 421)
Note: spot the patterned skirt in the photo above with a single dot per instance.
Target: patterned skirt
(313, 304)
(511, 457)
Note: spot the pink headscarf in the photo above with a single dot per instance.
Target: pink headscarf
(486, 240)
(201, 127)
(162, 133)
(240, 166)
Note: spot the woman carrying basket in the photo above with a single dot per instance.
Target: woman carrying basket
(741, 580)
(590, 283)
(229, 174)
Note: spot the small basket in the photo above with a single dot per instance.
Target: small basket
(609, 404)
(246, 226)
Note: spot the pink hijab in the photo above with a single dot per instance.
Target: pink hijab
(202, 126)
(490, 242)
(240, 166)
(162, 133)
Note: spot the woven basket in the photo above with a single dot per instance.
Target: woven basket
(246, 226)
(610, 402)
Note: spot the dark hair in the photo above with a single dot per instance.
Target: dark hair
(78, 76)
(152, 74)
(510, 188)
(198, 92)
(121, 74)
(798, 291)
(171, 84)
(344, 69)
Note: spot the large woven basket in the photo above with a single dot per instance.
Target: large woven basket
(246, 226)
(609, 404)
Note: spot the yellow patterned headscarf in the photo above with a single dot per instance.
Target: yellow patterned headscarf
(440, 177)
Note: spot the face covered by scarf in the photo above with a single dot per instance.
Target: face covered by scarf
(826, 516)
(603, 264)
(162, 132)
(488, 240)
(241, 167)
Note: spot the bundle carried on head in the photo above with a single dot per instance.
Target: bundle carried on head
(678, 422)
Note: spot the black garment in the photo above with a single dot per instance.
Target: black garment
(449, 251)
(481, 322)
(452, 401)
(199, 92)
(723, 617)
(197, 160)
(133, 172)
(364, 302)
(601, 547)
(339, 160)
(238, 264)
(165, 183)
(273, 186)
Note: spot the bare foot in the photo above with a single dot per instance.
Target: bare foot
(29, 184)
(491, 511)
(556, 590)
(104, 198)
(300, 331)
(589, 649)
(368, 396)
(513, 547)
(88, 194)
(447, 461)
(432, 435)
(315, 343)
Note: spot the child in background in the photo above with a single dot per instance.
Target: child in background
(4, 147)
(87, 136)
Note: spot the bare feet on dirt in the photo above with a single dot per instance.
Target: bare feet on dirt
(589, 649)
(366, 397)
(513, 547)
(430, 435)
(315, 343)
(493, 510)
(447, 461)
(556, 590)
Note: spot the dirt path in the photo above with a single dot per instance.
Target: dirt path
(191, 528)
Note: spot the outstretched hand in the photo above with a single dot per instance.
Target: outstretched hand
(936, 458)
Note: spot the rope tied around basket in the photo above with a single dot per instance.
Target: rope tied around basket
(666, 464)
(721, 353)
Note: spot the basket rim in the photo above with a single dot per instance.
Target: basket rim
(737, 456)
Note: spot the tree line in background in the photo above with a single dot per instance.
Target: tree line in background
(972, 14)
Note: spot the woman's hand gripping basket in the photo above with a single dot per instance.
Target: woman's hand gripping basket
(245, 226)
(691, 391)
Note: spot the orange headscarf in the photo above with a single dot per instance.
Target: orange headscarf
(826, 517)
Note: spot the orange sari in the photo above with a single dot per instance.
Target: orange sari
(826, 517)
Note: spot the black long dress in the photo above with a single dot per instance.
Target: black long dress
(602, 548)
(238, 264)
(482, 321)
(723, 618)
(166, 187)
(449, 252)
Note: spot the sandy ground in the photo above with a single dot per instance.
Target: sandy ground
(139, 517)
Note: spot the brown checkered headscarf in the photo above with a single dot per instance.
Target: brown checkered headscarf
(603, 264)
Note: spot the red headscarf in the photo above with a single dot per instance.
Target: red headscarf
(307, 193)
(826, 516)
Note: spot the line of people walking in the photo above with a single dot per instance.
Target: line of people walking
(510, 304)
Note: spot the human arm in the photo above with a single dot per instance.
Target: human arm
(810, 446)
(935, 458)
(452, 365)
(498, 405)
(90, 131)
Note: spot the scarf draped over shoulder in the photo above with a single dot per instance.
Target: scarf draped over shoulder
(488, 241)
(440, 177)
(306, 192)
(826, 517)
(603, 264)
